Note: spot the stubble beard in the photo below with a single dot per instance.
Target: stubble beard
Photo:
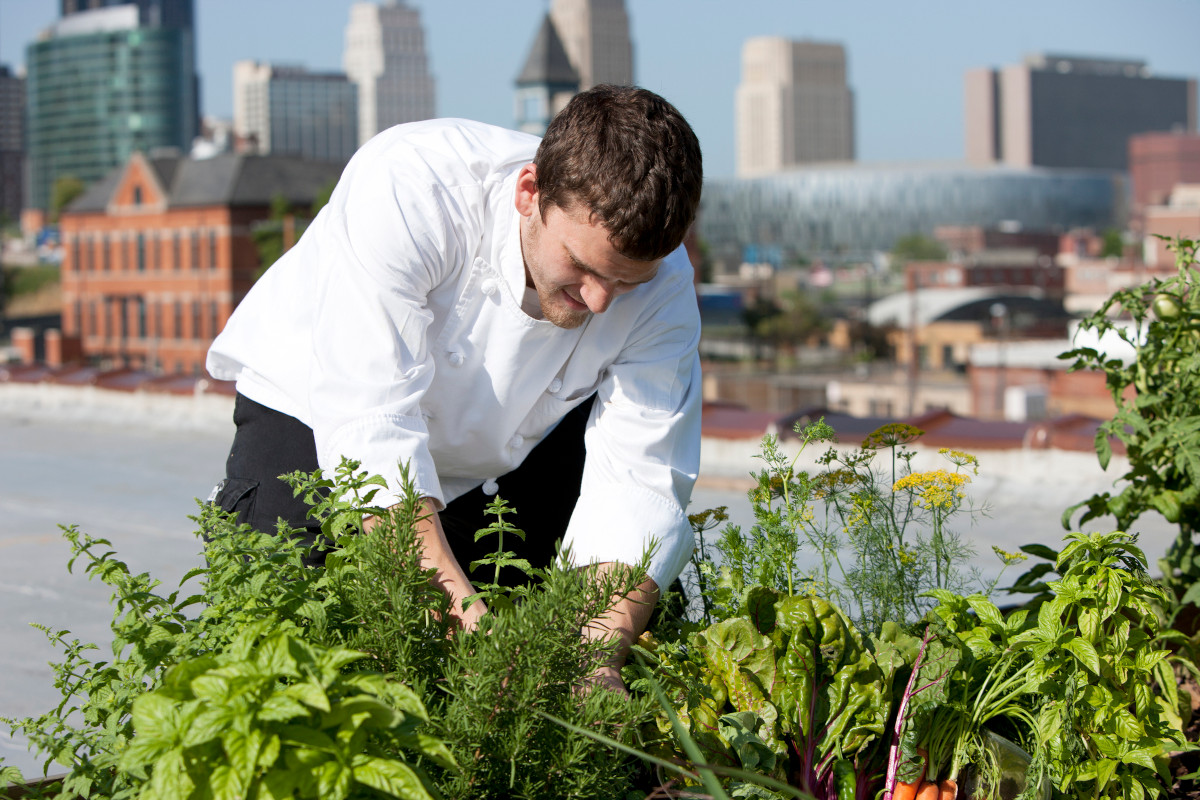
(553, 301)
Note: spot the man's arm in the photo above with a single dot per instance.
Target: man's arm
(624, 621)
(449, 576)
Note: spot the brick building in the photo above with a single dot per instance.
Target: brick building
(159, 252)
(1157, 162)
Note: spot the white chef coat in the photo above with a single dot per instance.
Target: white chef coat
(394, 330)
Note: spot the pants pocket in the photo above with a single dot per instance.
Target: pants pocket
(236, 496)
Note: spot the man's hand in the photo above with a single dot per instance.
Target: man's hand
(449, 575)
(624, 621)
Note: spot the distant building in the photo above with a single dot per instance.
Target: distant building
(12, 143)
(547, 81)
(1158, 162)
(793, 105)
(853, 211)
(159, 252)
(287, 110)
(1178, 217)
(104, 83)
(595, 34)
(1062, 111)
(385, 58)
(151, 13)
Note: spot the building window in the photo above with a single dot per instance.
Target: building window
(141, 317)
(137, 195)
(177, 254)
(141, 252)
(196, 319)
(105, 255)
(212, 249)
(178, 319)
(195, 250)
(212, 319)
(76, 260)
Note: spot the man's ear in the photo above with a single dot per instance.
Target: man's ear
(527, 191)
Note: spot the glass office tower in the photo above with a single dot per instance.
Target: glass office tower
(101, 85)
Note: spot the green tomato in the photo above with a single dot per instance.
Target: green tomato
(1166, 307)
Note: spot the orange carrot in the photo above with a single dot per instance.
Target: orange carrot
(949, 790)
(929, 790)
(908, 791)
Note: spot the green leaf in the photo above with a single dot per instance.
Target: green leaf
(1084, 652)
(389, 776)
(1103, 447)
(309, 692)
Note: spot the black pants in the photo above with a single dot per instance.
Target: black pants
(543, 490)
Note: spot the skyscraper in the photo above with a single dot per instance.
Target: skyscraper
(12, 142)
(1063, 111)
(546, 83)
(595, 34)
(385, 57)
(288, 110)
(793, 105)
(103, 84)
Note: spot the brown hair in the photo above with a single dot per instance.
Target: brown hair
(632, 160)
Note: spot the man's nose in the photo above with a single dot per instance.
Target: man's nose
(597, 294)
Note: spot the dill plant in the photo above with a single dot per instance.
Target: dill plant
(882, 535)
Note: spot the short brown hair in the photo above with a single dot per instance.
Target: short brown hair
(632, 160)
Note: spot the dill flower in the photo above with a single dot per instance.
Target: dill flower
(934, 490)
(891, 435)
(961, 458)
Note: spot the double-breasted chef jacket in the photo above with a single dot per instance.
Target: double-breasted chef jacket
(394, 329)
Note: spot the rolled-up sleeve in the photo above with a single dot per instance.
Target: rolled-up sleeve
(643, 449)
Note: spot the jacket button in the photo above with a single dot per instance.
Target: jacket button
(455, 358)
(516, 441)
(555, 385)
(488, 287)
(490, 486)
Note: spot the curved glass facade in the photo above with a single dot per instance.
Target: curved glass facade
(853, 211)
(95, 98)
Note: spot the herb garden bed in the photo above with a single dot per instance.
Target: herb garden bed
(886, 672)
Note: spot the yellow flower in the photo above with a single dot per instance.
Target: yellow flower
(891, 435)
(938, 489)
(961, 458)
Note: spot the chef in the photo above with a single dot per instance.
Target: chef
(501, 314)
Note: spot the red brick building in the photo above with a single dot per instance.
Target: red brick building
(1157, 162)
(158, 254)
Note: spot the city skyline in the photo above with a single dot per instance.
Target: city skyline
(906, 64)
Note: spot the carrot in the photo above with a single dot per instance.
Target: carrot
(929, 791)
(949, 790)
(908, 791)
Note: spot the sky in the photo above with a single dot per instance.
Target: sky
(906, 58)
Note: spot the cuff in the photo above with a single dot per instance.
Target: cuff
(620, 523)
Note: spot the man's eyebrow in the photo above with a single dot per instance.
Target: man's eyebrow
(582, 266)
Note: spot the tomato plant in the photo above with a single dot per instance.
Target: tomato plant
(1157, 398)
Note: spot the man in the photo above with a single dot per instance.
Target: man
(457, 307)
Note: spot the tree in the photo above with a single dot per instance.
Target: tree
(1113, 244)
(917, 247)
(66, 188)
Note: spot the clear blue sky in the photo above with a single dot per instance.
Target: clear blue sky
(906, 57)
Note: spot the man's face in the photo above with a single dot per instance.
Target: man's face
(570, 262)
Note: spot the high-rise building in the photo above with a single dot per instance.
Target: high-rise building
(101, 85)
(151, 13)
(595, 34)
(547, 81)
(793, 106)
(1062, 111)
(287, 110)
(12, 143)
(385, 57)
